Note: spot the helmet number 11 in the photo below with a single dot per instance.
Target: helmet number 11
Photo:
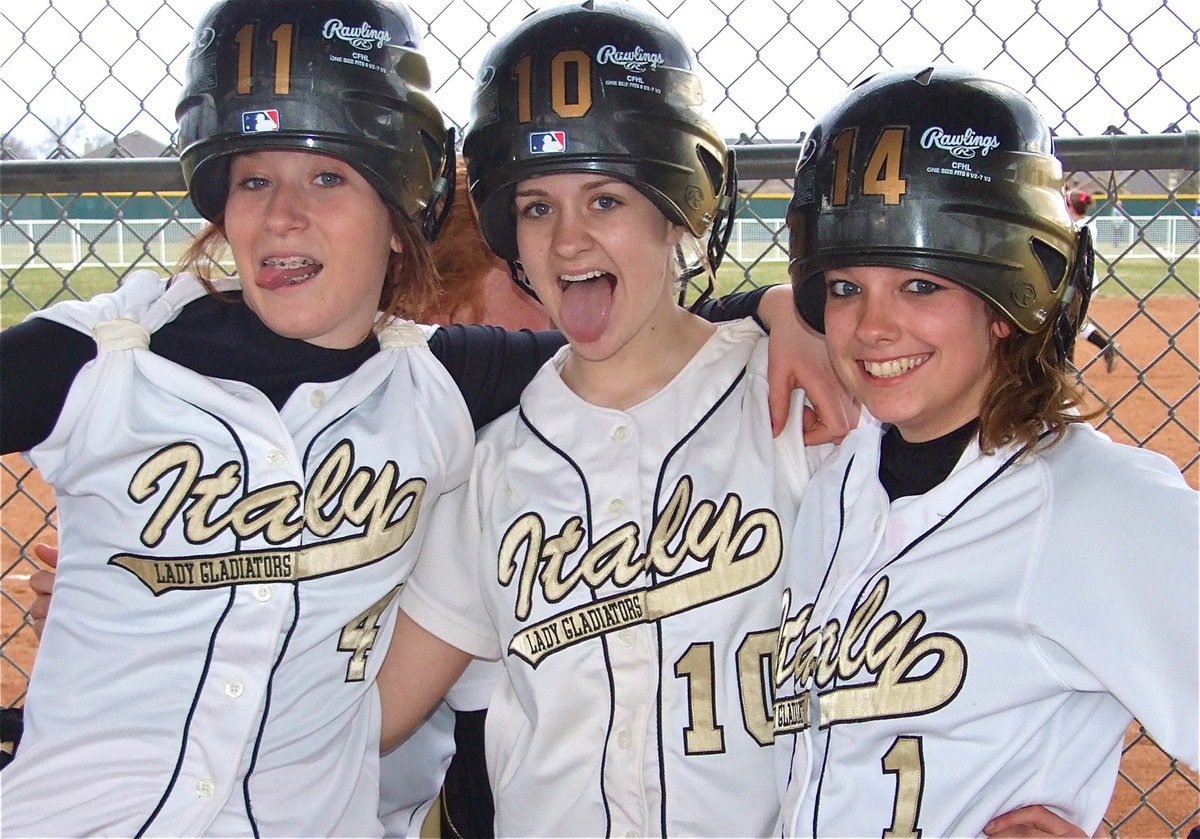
(881, 175)
(282, 36)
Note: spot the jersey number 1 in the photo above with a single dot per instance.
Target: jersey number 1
(905, 760)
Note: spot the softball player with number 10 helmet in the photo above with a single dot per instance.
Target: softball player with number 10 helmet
(982, 589)
(619, 545)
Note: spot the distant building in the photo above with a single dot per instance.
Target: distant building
(133, 144)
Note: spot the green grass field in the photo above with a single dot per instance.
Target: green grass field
(36, 288)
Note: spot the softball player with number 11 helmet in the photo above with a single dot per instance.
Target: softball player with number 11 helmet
(982, 589)
(243, 466)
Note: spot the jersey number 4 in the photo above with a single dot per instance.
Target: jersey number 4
(359, 635)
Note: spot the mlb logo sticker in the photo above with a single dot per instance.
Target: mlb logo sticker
(547, 142)
(257, 122)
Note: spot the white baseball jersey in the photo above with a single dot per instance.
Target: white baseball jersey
(627, 571)
(952, 656)
(226, 585)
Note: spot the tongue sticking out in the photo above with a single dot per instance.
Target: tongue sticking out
(273, 275)
(585, 307)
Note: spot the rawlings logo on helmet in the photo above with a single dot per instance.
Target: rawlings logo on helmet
(362, 37)
(962, 145)
(636, 60)
(203, 40)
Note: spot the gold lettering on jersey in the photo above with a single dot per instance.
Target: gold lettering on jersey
(887, 646)
(722, 537)
(385, 510)
(792, 714)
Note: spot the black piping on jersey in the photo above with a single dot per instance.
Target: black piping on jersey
(658, 488)
(1004, 467)
(821, 588)
(612, 693)
(187, 725)
(266, 712)
(212, 640)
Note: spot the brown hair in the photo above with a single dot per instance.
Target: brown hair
(410, 283)
(1029, 392)
(462, 257)
(1079, 201)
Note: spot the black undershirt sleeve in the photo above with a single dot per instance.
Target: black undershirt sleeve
(39, 360)
(492, 365)
(741, 304)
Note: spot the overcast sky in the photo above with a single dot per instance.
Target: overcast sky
(769, 66)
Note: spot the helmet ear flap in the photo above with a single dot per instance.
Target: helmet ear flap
(442, 191)
(1075, 299)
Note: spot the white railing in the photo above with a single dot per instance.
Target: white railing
(68, 243)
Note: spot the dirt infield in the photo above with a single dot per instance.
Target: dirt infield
(1164, 415)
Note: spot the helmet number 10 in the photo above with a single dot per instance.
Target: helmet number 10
(282, 36)
(570, 72)
(881, 175)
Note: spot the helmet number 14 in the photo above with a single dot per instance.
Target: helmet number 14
(881, 175)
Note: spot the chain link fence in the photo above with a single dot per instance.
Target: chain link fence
(88, 87)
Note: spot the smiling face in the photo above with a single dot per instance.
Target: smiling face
(915, 348)
(601, 258)
(311, 240)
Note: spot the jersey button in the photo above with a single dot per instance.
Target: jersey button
(626, 636)
(205, 788)
(234, 689)
(316, 398)
(621, 433)
(262, 593)
(878, 523)
(275, 458)
(616, 506)
(624, 739)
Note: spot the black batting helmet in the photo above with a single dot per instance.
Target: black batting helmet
(596, 86)
(342, 78)
(941, 170)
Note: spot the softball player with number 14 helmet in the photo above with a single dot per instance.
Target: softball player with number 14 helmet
(982, 589)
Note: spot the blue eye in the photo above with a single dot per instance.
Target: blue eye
(606, 202)
(841, 288)
(328, 179)
(921, 286)
(534, 209)
(253, 183)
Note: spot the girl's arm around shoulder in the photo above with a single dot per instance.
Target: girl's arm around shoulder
(39, 360)
(416, 673)
(797, 358)
(491, 365)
